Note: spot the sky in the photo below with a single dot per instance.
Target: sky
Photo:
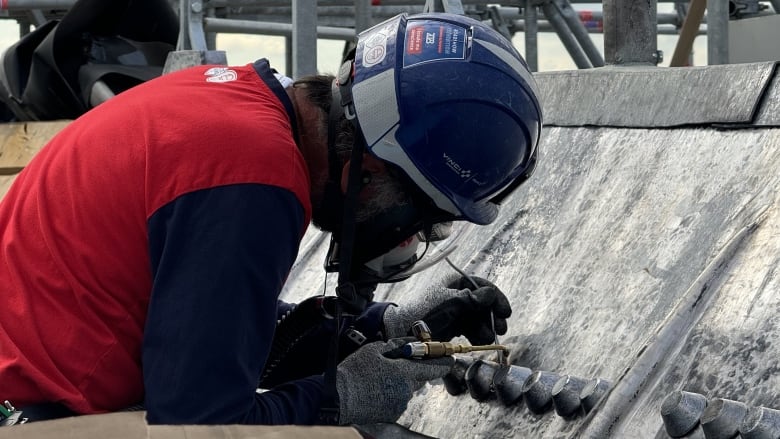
(552, 55)
(242, 49)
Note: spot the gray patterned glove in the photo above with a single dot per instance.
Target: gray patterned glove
(374, 388)
(457, 308)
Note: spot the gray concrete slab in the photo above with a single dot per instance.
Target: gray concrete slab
(654, 97)
(769, 113)
(596, 251)
(643, 256)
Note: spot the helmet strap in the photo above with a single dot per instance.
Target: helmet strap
(351, 299)
(328, 216)
(355, 299)
(337, 213)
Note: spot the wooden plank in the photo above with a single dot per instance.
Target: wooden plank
(20, 141)
(5, 184)
(132, 425)
(688, 33)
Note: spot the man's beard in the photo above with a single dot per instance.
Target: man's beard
(387, 193)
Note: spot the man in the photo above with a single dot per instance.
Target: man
(144, 248)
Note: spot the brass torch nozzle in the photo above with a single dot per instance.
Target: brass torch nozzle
(438, 349)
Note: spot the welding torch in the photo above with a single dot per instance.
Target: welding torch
(426, 348)
(503, 354)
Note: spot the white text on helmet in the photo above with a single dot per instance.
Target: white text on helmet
(463, 173)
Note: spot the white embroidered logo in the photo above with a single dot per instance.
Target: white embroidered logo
(220, 74)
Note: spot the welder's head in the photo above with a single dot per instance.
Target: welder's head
(450, 108)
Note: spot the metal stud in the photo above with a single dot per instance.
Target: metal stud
(537, 391)
(508, 382)
(722, 417)
(566, 395)
(761, 423)
(592, 393)
(455, 381)
(479, 380)
(681, 412)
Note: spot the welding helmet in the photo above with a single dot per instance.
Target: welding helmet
(451, 104)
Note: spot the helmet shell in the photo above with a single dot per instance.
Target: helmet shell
(452, 103)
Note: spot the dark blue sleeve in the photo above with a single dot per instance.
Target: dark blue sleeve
(219, 259)
(369, 322)
(305, 352)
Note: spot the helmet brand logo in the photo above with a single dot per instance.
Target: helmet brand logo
(375, 49)
(432, 41)
(220, 74)
(463, 173)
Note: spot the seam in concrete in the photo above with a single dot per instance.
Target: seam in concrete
(604, 418)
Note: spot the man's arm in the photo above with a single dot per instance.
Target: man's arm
(304, 346)
(219, 259)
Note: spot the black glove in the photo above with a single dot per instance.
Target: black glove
(456, 308)
(374, 388)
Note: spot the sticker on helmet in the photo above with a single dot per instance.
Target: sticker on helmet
(430, 41)
(375, 49)
(375, 43)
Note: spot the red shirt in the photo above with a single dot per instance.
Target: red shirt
(75, 275)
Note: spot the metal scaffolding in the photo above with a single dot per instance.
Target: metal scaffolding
(302, 25)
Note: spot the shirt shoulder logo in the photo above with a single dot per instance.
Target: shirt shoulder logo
(220, 74)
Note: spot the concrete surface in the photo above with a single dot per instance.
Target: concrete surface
(645, 255)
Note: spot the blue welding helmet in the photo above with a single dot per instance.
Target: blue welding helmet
(450, 102)
(452, 108)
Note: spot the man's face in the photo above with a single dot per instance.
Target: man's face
(380, 192)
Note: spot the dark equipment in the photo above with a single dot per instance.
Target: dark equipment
(98, 49)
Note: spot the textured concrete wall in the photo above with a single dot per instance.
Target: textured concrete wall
(644, 256)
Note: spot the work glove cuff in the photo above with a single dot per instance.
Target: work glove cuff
(396, 322)
(373, 388)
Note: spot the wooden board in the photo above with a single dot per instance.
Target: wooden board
(132, 425)
(19, 142)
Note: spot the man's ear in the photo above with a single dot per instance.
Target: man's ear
(371, 165)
